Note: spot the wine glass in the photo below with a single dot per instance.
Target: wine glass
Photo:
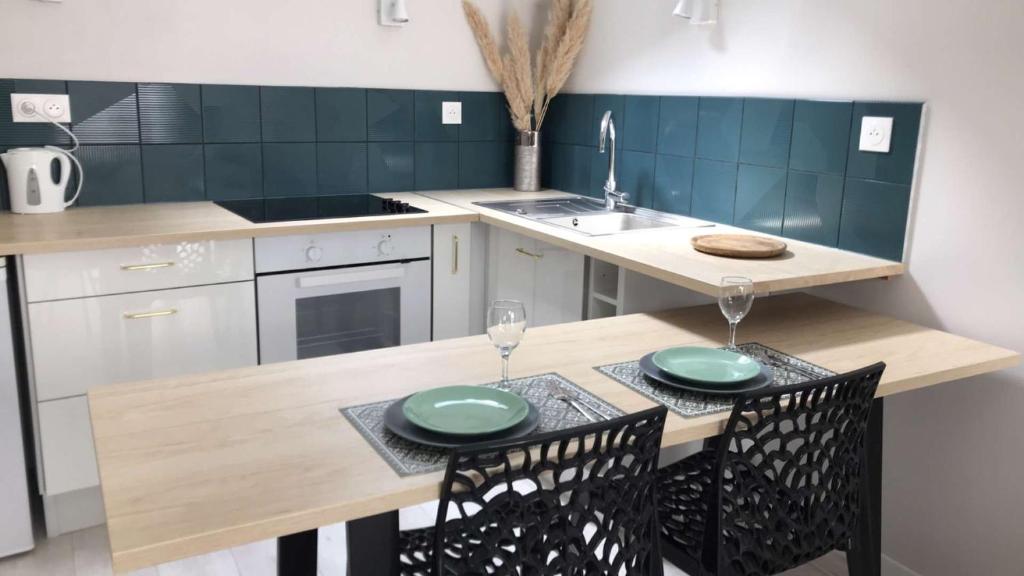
(506, 323)
(735, 296)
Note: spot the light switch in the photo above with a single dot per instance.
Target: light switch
(451, 112)
(875, 134)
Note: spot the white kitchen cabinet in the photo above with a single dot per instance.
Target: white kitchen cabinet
(546, 278)
(459, 260)
(64, 275)
(65, 437)
(86, 342)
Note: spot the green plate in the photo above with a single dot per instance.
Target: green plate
(708, 365)
(465, 410)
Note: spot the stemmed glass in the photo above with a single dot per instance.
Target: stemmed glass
(735, 296)
(506, 323)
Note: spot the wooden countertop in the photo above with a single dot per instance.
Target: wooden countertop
(666, 253)
(194, 464)
(98, 227)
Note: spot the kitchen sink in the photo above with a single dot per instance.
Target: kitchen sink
(589, 216)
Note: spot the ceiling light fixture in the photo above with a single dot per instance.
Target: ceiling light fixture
(697, 11)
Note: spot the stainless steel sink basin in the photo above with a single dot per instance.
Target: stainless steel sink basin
(589, 216)
(609, 223)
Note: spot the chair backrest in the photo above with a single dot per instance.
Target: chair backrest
(575, 502)
(789, 471)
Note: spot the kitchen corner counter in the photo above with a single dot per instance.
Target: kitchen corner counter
(98, 227)
(666, 253)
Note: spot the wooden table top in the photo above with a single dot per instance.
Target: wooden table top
(193, 464)
(666, 253)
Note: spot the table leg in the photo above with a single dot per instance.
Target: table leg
(866, 557)
(373, 545)
(296, 554)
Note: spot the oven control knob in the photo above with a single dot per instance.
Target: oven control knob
(385, 247)
(314, 253)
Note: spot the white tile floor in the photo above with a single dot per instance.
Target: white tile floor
(87, 553)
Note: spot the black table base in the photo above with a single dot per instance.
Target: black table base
(296, 554)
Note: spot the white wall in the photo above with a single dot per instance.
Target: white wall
(954, 465)
(298, 42)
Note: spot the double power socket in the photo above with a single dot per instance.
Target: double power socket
(40, 108)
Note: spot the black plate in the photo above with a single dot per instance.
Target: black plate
(652, 371)
(395, 420)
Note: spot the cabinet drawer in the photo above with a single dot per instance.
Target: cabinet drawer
(65, 434)
(153, 267)
(81, 343)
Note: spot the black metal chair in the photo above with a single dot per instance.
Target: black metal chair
(779, 488)
(574, 502)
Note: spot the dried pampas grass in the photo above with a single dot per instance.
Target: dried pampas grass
(529, 85)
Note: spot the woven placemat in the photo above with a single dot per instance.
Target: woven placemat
(786, 369)
(408, 458)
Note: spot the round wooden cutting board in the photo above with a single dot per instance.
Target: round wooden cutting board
(738, 245)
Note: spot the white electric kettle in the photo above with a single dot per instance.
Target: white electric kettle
(31, 183)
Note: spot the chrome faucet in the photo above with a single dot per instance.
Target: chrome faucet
(612, 197)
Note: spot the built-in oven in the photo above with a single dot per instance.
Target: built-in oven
(325, 294)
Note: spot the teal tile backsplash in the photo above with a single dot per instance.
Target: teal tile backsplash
(788, 167)
(155, 142)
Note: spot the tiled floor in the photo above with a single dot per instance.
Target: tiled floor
(87, 553)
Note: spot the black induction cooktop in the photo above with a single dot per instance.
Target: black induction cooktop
(316, 207)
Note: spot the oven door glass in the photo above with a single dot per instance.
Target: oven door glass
(338, 310)
(340, 323)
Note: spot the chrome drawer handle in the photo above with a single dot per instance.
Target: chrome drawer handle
(455, 255)
(152, 266)
(153, 314)
(530, 254)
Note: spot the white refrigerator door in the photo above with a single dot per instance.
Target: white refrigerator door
(15, 518)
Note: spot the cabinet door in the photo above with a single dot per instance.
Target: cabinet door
(558, 291)
(452, 266)
(65, 435)
(511, 271)
(86, 342)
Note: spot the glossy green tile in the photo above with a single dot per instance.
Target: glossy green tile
(673, 183)
(231, 113)
(104, 112)
(288, 114)
(571, 168)
(821, 136)
(896, 166)
(485, 164)
(340, 114)
(677, 126)
(233, 171)
(341, 168)
(637, 177)
(767, 132)
(173, 172)
(569, 120)
(428, 117)
(602, 104)
(640, 132)
(482, 116)
(718, 128)
(391, 166)
(437, 165)
(28, 134)
(760, 198)
(289, 169)
(170, 114)
(714, 190)
(389, 116)
(813, 205)
(113, 175)
(874, 218)
(599, 171)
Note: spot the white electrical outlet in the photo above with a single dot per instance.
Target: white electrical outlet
(451, 112)
(875, 134)
(40, 107)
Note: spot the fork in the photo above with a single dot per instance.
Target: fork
(558, 393)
